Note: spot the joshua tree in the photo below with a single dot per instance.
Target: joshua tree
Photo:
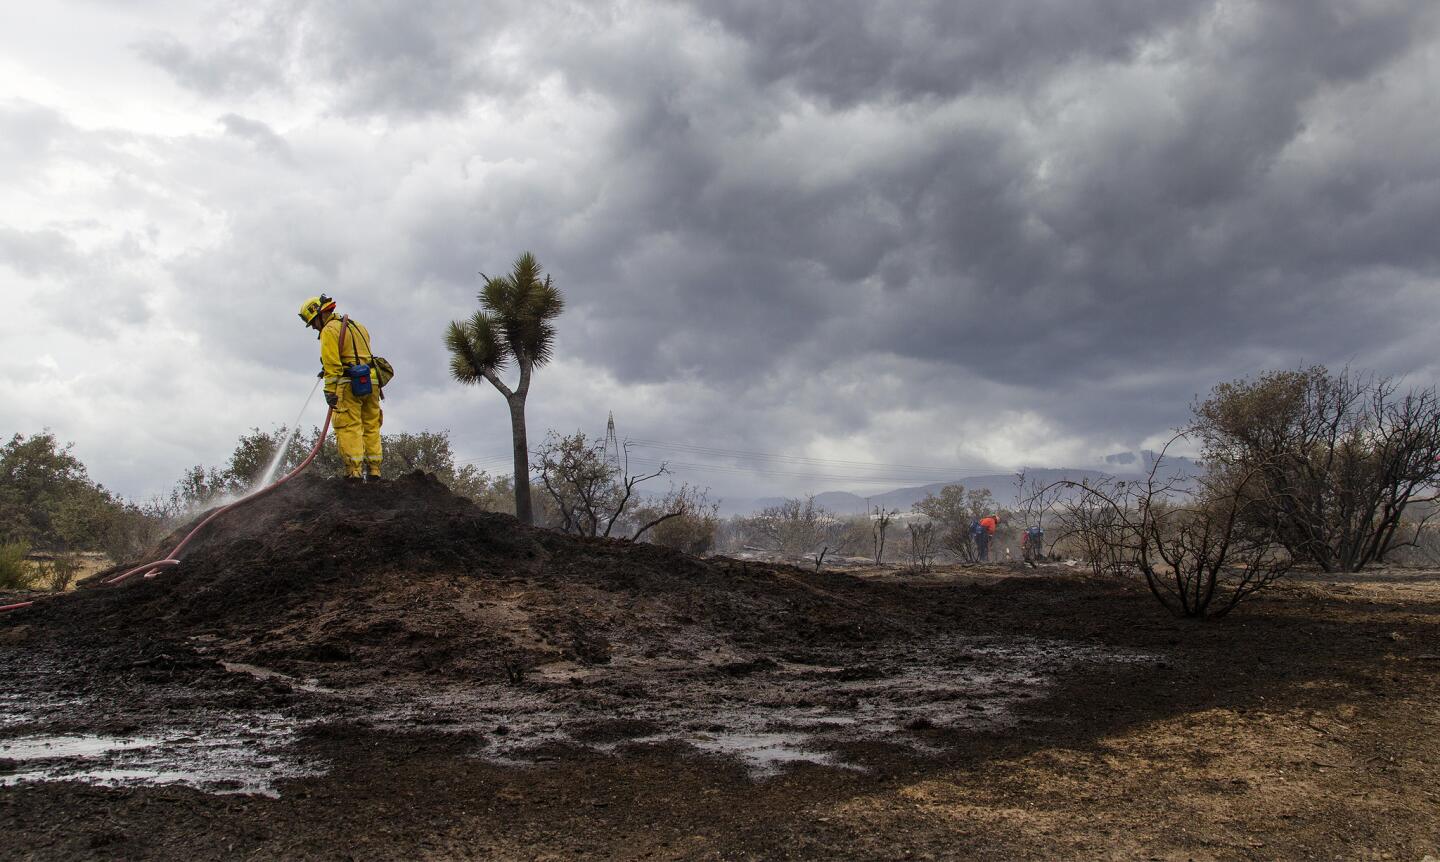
(514, 322)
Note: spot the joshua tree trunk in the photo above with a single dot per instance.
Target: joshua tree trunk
(522, 458)
(516, 399)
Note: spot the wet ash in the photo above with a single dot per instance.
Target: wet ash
(402, 607)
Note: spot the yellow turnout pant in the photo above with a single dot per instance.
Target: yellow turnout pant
(357, 430)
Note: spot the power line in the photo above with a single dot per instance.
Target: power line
(786, 474)
(797, 459)
(792, 458)
(490, 459)
(805, 467)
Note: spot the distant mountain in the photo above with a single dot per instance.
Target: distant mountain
(1137, 465)
(1121, 465)
(1000, 485)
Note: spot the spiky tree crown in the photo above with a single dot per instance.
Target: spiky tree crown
(515, 322)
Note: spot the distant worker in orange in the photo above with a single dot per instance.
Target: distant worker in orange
(988, 525)
(350, 389)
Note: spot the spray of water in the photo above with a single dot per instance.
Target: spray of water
(284, 448)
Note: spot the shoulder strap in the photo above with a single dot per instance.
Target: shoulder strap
(340, 341)
(356, 349)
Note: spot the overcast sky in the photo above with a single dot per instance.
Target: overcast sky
(952, 234)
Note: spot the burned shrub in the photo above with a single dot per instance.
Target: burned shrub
(1194, 539)
(923, 546)
(1090, 526)
(795, 528)
(1332, 463)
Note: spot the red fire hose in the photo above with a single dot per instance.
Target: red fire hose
(173, 558)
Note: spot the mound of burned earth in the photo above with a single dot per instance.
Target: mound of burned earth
(324, 578)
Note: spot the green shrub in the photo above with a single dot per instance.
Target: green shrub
(16, 573)
(57, 572)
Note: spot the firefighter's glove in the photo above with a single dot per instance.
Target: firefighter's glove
(332, 399)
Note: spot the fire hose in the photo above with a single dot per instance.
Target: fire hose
(171, 559)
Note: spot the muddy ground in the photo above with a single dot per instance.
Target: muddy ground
(385, 672)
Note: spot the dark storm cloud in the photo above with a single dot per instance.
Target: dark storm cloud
(405, 58)
(1204, 236)
(1179, 234)
(1088, 210)
(394, 59)
(851, 51)
(1171, 232)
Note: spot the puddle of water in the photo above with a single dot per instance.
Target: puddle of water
(19, 708)
(248, 755)
(265, 673)
(178, 738)
(764, 754)
(766, 720)
(793, 713)
(828, 720)
(52, 747)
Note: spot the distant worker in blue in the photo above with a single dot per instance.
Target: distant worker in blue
(984, 530)
(1032, 544)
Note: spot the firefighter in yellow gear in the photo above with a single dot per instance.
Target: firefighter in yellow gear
(357, 418)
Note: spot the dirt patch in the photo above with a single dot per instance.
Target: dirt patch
(386, 672)
(350, 583)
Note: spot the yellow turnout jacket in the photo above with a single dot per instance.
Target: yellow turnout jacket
(334, 356)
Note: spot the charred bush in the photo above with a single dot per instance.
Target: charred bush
(1195, 540)
(1329, 464)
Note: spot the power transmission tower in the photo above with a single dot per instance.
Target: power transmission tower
(612, 445)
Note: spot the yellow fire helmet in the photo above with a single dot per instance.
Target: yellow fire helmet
(314, 305)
